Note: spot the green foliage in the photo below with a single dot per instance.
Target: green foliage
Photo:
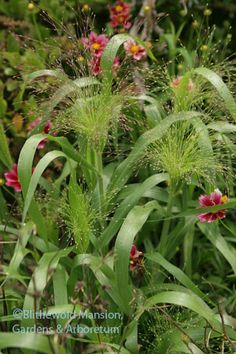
(126, 154)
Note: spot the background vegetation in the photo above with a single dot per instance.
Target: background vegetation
(117, 176)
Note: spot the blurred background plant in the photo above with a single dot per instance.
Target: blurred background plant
(115, 118)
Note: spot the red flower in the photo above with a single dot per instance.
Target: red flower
(215, 198)
(12, 178)
(135, 258)
(96, 43)
(46, 130)
(120, 15)
(135, 50)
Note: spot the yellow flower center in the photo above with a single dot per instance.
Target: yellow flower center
(96, 46)
(118, 8)
(134, 48)
(224, 199)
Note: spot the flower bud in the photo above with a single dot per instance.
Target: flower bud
(195, 24)
(207, 12)
(204, 48)
(180, 67)
(86, 8)
(31, 6)
(183, 13)
(146, 8)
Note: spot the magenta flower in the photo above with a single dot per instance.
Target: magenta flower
(116, 63)
(12, 179)
(135, 50)
(95, 65)
(135, 258)
(96, 43)
(215, 198)
(120, 15)
(46, 130)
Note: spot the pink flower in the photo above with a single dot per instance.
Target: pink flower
(46, 130)
(96, 43)
(135, 50)
(215, 198)
(12, 178)
(135, 258)
(120, 15)
(176, 82)
(116, 62)
(96, 67)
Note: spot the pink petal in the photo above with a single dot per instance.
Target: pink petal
(205, 200)
(85, 42)
(133, 250)
(203, 217)
(47, 127)
(216, 196)
(42, 144)
(92, 36)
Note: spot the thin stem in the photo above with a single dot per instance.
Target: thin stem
(99, 167)
(166, 224)
(37, 27)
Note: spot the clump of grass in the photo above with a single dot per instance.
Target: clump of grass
(159, 325)
(181, 154)
(91, 115)
(78, 215)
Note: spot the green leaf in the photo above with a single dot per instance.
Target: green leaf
(191, 302)
(25, 167)
(5, 155)
(108, 58)
(212, 232)
(59, 74)
(209, 209)
(20, 250)
(70, 151)
(32, 341)
(131, 226)
(102, 272)
(129, 202)
(222, 127)
(60, 290)
(177, 273)
(40, 278)
(41, 166)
